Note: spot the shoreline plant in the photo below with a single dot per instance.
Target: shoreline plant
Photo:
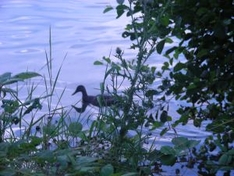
(38, 135)
(117, 141)
(198, 70)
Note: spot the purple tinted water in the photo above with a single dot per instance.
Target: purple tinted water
(80, 31)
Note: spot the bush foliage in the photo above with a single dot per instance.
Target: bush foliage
(196, 40)
(199, 66)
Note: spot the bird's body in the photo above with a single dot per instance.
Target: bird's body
(98, 100)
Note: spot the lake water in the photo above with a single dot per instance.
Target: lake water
(80, 31)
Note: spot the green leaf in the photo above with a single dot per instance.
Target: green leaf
(225, 159)
(203, 52)
(26, 75)
(107, 59)
(11, 81)
(153, 69)
(10, 106)
(230, 152)
(193, 143)
(8, 90)
(35, 141)
(8, 172)
(168, 40)
(5, 77)
(87, 169)
(156, 125)
(120, 10)
(163, 117)
(169, 118)
(45, 155)
(165, 20)
(35, 105)
(179, 66)
(4, 147)
(107, 170)
(180, 142)
(192, 86)
(107, 73)
(151, 92)
(178, 51)
(168, 160)
(49, 129)
(165, 66)
(160, 46)
(120, 1)
(74, 128)
(107, 9)
(163, 131)
(102, 88)
(220, 31)
(98, 63)
(171, 50)
(85, 160)
(167, 150)
(62, 160)
(130, 174)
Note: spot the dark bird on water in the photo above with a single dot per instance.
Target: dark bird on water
(97, 100)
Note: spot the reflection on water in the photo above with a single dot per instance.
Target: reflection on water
(80, 30)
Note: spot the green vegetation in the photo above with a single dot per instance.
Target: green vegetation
(197, 69)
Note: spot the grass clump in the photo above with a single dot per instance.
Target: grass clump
(37, 135)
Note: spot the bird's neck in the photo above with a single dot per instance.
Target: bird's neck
(84, 95)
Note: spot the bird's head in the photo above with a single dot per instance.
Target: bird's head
(79, 88)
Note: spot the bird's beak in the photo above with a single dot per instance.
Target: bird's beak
(74, 93)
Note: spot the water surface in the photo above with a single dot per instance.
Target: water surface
(81, 34)
(79, 29)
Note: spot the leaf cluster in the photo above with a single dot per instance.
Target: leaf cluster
(198, 66)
